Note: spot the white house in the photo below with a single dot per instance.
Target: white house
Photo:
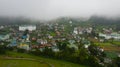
(28, 27)
(89, 30)
(109, 36)
(78, 30)
(1, 27)
(105, 35)
(4, 37)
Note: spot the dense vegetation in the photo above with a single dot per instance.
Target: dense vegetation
(4, 62)
(82, 56)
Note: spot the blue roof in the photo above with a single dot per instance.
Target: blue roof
(14, 43)
(24, 37)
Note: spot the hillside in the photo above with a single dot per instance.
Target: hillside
(11, 60)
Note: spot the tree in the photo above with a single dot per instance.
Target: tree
(21, 50)
(117, 61)
(26, 32)
(48, 52)
(96, 54)
(83, 55)
(3, 49)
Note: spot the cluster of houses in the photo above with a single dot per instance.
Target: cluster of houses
(30, 37)
(109, 34)
(17, 38)
(34, 37)
(115, 36)
(80, 30)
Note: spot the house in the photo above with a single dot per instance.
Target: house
(62, 27)
(78, 30)
(115, 36)
(118, 55)
(55, 49)
(39, 41)
(34, 39)
(50, 37)
(4, 37)
(45, 45)
(1, 27)
(41, 47)
(101, 38)
(107, 31)
(27, 27)
(13, 43)
(70, 22)
(42, 41)
(71, 41)
(24, 46)
(53, 42)
(86, 43)
(107, 36)
(89, 30)
(73, 46)
(25, 38)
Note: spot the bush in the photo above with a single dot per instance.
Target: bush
(3, 49)
(21, 50)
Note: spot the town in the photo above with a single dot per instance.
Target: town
(63, 41)
(59, 33)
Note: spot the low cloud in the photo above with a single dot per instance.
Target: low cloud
(50, 9)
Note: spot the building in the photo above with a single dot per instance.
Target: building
(13, 43)
(27, 27)
(24, 46)
(4, 37)
(1, 27)
(78, 30)
(115, 36)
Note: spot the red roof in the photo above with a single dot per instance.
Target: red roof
(41, 46)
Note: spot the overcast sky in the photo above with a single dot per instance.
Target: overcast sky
(49, 9)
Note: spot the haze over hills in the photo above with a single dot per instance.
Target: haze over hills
(51, 9)
(94, 19)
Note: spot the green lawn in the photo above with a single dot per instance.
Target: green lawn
(56, 63)
(103, 44)
(111, 54)
(116, 43)
(21, 63)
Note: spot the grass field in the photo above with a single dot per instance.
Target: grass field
(25, 63)
(116, 43)
(108, 46)
(111, 50)
(21, 63)
(111, 54)
(103, 44)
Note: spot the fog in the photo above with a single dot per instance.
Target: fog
(50, 9)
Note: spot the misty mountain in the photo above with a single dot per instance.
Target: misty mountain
(17, 20)
(93, 20)
(96, 21)
(104, 20)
